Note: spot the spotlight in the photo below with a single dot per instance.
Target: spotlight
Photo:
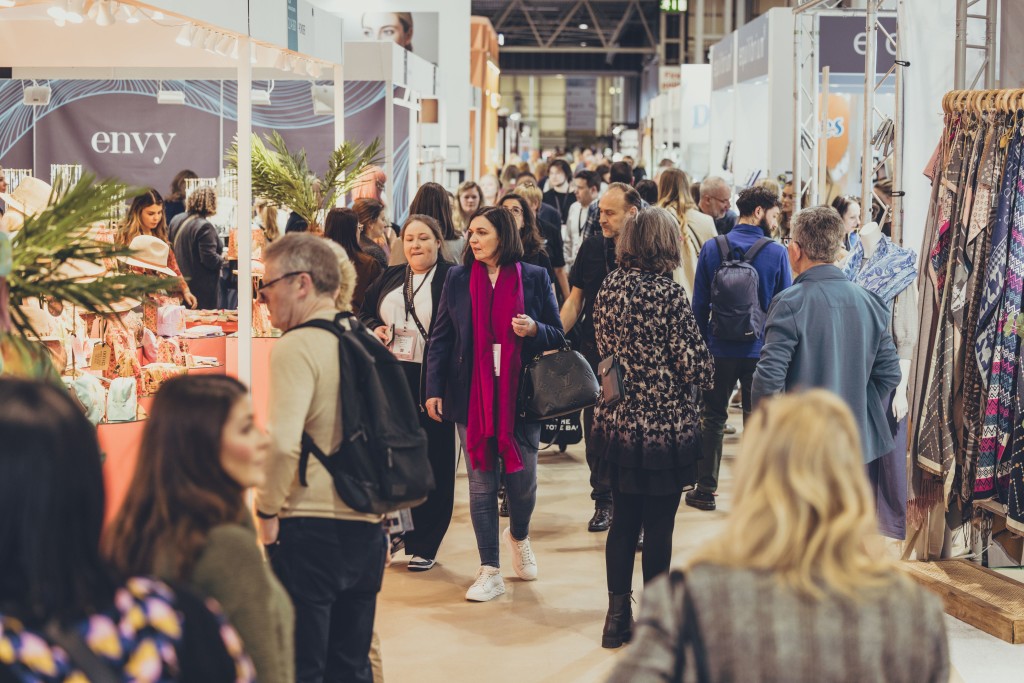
(76, 11)
(170, 96)
(281, 64)
(199, 37)
(7, 3)
(501, 39)
(261, 98)
(583, 27)
(36, 95)
(223, 46)
(185, 36)
(131, 15)
(102, 12)
(211, 42)
(313, 69)
(58, 11)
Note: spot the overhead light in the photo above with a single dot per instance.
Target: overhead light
(211, 42)
(313, 69)
(199, 37)
(131, 14)
(102, 12)
(584, 27)
(323, 99)
(7, 3)
(58, 11)
(170, 96)
(261, 98)
(583, 43)
(501, 39)
(223, 46)
(75, 11)
(36, 95)
(281, 63)
(185, 36)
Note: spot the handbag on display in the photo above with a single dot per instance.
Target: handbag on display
(556, 384)
(122, 400)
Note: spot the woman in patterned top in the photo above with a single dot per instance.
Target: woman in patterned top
(648, 444)
(64, 615)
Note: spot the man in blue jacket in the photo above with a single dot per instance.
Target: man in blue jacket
(830, 333)
(734, 360)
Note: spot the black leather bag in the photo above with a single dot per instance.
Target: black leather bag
(612, 389)
(556, 384)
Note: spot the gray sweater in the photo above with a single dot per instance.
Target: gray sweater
(756, 630)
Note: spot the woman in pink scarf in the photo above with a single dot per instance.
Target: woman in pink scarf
(495, 313)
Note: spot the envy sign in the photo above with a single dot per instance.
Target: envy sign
(132, 143)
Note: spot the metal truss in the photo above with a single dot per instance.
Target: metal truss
(988, 48)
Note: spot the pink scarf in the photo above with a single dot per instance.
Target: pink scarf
(492, 401)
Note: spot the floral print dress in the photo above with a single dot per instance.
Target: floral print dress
(140, 636)
(649, 443)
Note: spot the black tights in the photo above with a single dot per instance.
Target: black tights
(656, 515)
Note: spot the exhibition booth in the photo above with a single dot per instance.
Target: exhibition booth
(678, 125)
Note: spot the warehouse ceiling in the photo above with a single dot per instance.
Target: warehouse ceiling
(574, 35)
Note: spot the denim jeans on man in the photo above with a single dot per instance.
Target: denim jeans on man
(333, 570)
(520, 492)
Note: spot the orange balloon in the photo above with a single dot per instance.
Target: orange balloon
(838, 130)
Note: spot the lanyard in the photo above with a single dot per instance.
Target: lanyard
(410, 298)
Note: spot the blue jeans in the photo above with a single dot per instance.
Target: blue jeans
(520, 492)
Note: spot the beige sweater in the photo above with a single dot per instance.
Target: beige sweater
(304, 394)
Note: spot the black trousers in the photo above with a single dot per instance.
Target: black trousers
(716, 412)
(600, 492)
(432, 518)
(656, 515)
(332, 570)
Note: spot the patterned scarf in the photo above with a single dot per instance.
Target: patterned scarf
(889, 270)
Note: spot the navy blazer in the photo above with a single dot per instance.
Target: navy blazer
(449, 352)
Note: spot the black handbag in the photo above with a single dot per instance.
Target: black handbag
(556, 384)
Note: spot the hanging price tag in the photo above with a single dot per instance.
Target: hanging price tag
(100, 356)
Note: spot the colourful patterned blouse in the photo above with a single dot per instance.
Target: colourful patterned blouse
(140, 636)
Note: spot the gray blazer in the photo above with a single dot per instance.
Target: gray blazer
(829, 333)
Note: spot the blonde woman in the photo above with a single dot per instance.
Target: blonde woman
(468, 198)
(789, 590)
(266, 219)
(696, 227)
(146, 217)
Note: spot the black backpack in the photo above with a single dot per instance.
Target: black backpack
(736, 313)
(381, 465)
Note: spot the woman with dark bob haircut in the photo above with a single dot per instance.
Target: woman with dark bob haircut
(57, 595)
(644, 320)
(185, 518)
(495, 314)
(342, 226)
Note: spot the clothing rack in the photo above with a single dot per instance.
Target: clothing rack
(15, 176)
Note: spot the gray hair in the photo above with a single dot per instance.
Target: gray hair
(712, 183)
(650, 242)
(819, 231)
(301, 252)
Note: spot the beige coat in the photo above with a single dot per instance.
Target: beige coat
(696, 229)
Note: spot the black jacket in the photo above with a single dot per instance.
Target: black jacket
(197, 247)
(391, 279)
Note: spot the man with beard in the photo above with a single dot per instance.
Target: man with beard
(735, 359)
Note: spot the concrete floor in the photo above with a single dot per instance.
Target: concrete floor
(549, 631)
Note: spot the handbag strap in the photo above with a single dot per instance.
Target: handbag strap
(689, 634)
(81, 656)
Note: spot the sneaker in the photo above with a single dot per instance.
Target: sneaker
(488, 585)
(702, 500)
(729, 430)
(601, 521)
(421, 564)
(737, 400)
(523, 561)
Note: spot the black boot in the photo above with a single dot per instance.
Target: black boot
(618, 625)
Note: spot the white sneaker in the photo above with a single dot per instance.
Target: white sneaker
(523, 561)
(488, 585)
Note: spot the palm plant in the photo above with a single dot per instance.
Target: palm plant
(38, 255)
(284, 177)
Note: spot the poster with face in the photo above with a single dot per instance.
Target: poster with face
(415, 31)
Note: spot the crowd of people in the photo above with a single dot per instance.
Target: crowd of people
(688, 299)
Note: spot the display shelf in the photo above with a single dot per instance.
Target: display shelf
(975, 595)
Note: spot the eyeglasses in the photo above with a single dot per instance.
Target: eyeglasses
(516, 211)
(267, 285)
(787, 240)
(727, 200)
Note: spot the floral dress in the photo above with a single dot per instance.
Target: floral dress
(141, 636)
(649, 443)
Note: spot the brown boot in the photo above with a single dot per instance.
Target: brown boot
(618, 625)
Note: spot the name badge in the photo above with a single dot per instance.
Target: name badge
(496, 352)
(403, 345)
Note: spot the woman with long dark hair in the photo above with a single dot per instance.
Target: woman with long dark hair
(534, 251)
(176, 199)
(495, 314)
(434, 201)
(374, 237)
(401, 308)
(342, 226)
(146, 217)
(56, 589)
(185, 518)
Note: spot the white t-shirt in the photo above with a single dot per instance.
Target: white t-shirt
(407, 337)
(571, 237)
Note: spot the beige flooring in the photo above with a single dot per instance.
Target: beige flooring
(546, 631)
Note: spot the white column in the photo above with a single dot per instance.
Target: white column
(698, 42)
(339, 117)
(244, 209)
(389, 144)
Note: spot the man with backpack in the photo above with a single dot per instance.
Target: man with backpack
(328, 556)
(737, 276)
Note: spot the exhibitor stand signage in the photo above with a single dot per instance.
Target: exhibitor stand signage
(843, 45)
(723, 68)
(752, 49)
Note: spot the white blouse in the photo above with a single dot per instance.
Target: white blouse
(392, 312)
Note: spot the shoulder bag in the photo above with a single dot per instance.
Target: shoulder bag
(613, 388)
(555, 384)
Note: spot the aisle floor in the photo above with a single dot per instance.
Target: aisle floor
(549, 631)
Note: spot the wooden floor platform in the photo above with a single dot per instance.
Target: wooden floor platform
(973, 594)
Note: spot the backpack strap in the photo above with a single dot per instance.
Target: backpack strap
(309, 447)
(755, 249)
(723, 247)
(320, 324)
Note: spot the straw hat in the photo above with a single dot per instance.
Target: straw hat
(80, 270)
(150, 253)
(124, 305)
(31, 197)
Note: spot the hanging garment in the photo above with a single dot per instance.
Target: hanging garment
(888, 271)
